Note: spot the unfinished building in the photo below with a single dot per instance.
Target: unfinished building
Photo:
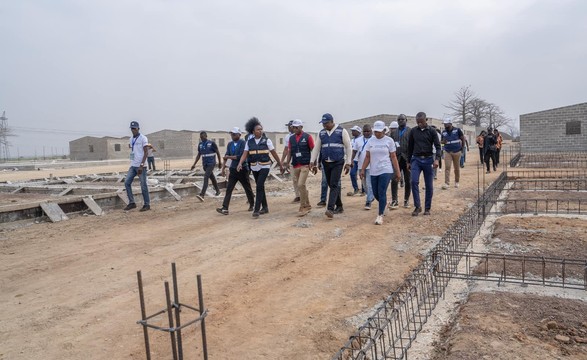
(95, 148)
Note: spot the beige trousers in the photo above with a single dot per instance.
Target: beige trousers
(300, 175)
(449, 160)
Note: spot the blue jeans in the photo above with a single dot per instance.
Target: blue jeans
(420, 165)
(369, 187)
(353, 174)
(130, 176)
(380, 183)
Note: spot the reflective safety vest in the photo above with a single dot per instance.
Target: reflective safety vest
(208, 152)
(332, 145)
(453, 140)
(258, 153)
(300, 151)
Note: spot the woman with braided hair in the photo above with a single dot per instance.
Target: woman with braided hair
(257, 150)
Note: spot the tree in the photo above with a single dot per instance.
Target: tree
(461, 104)
(477, 111)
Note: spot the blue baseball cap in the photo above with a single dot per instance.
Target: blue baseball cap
(326, 118)
(134, 125)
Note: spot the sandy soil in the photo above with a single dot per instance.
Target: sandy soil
(279, 287)
(516, 326)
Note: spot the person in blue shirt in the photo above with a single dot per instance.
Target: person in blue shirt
(208, 151)
(234, 151)
(453, 140)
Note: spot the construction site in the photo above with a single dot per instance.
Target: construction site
(498, 271)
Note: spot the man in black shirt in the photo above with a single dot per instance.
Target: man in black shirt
(421, 141)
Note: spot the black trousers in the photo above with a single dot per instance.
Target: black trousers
(403, 166)
(490, 155)
(481, 155)
(497, 155)
(261, 200)
(209, 174)
(234, 177)
(333, 172)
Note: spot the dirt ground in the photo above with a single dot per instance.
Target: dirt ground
(516, 326)
(548, 236)
(280, 287)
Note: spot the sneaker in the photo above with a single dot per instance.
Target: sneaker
(200, 197)
(393, 205)
(222, 211)
(329, 214)
(362, 194)
(263, 211)
(457, 185)
(494, 168)
(130, 206)
(379, 220)
(255, 215)
(146, 208)
(217, 193)
(445, 186)
(367, 206)
(338, 210)
(427, 212)
(296, 199)
(406, 204)
(321, 204)
(251, 208)
(304, 211)
(416, 211)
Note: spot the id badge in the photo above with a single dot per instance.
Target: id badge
(132, 156)
(298, 154)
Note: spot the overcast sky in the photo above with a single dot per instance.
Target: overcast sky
(79, 68)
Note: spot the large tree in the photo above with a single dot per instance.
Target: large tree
(460, 105)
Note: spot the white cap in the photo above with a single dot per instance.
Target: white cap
(297, 122)
(235, 130)
(394, 125)
(379, 126)
(356, 128)
(447, 120)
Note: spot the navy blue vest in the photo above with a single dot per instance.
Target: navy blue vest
(301, 148)
(258, 153)
(236, 148)
(453, 140)
(332, 146)
(208, 152)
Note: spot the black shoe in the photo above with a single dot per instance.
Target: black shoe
(338, 210)
(146, 208)
(406, 203)
(296, 199)
(251, 208)
(130, 206)
(416, 211)
(217, 193)
(255, 215)
(329, 214)
(222, 211)
(427, 212)
(321, 204)
(263, 211)
(495, 168)
(487, 172)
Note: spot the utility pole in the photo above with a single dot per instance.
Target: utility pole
(4, 146)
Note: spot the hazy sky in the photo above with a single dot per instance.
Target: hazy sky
(70, 68)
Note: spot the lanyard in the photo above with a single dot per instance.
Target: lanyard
(133, 142)
(401, 132)
(234, 147)
(364, 143)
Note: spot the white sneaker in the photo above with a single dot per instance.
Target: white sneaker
(445, 186)
(457, 185)
(368, 206)
(379, 220)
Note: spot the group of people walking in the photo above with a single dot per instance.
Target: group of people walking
(381, 156)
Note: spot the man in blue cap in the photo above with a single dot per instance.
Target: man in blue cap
(138, 156)
(333, 145)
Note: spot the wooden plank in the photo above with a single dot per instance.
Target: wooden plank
(170, 190)
(53, 211)
(92, 205)
(122, 195)
(64, 192)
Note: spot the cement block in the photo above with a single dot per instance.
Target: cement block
(92, 205)
(53, 211)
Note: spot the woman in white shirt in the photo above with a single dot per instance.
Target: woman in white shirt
(257, 150)
(380, 157)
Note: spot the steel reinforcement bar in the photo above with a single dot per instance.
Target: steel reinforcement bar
(389, 332)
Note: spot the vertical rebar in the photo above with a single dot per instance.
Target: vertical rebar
(203, 322)
(170, 317)
(177, 308)
(143, 315)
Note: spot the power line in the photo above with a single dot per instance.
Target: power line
(22, 129)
